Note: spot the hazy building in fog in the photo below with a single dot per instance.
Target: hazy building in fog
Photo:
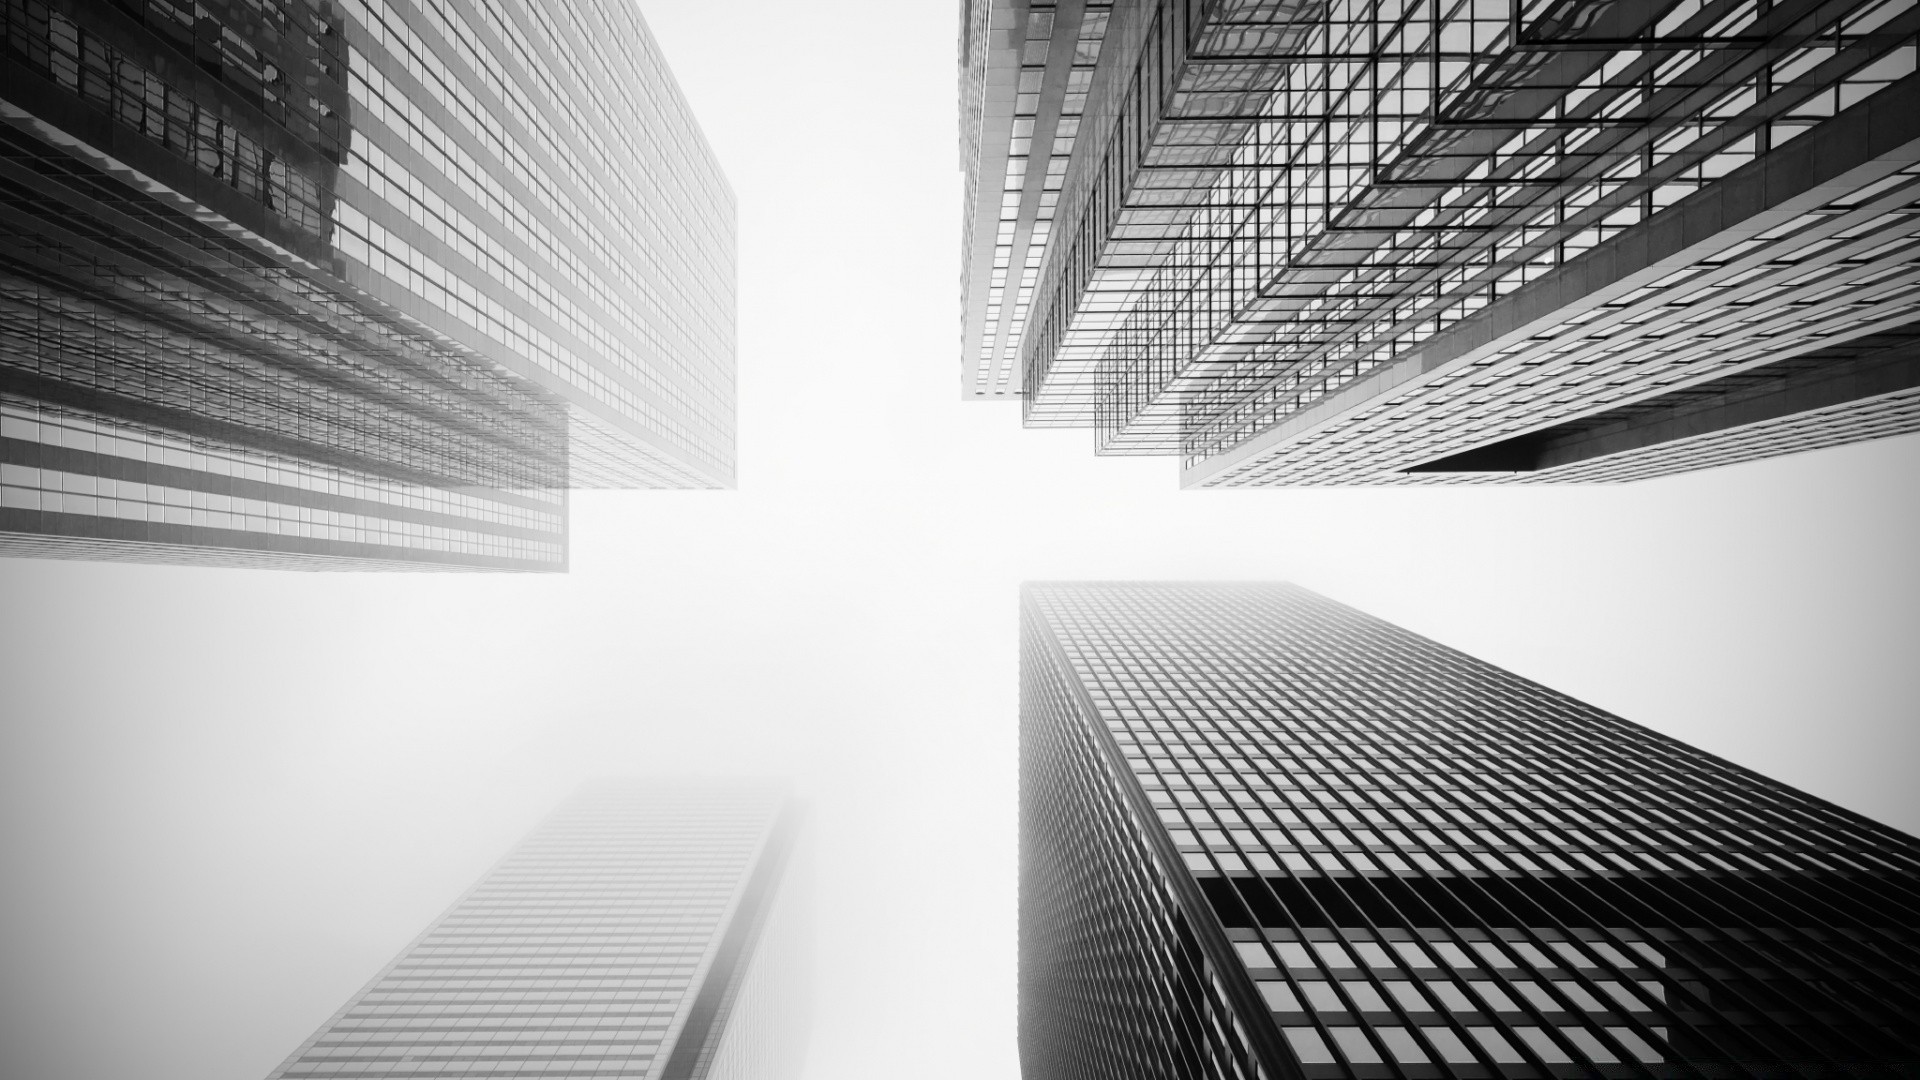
(640, 931)
(1422, 242)
(1265, 835)
(316, 284)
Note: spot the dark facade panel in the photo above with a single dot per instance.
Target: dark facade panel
(1267, 835)
(1859, 375)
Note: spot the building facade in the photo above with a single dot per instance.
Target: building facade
(1444, 241)
(314, 284)
(1266, 835)
(641, 931)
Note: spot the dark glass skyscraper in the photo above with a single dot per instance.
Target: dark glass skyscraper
(1420, 241)
(641, 931)
(301, 283)
(1265, 835)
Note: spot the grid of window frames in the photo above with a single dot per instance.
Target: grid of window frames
(1113, 981)
(1048, 88)
(1275, 202)
(484, 183)
(585, 953)
(760, 1034)
(1402, 862)
(392, 239)
(243, 350)
(119, 294)
(1833, 280)
(73, 486)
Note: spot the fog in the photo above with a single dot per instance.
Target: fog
(230, 796)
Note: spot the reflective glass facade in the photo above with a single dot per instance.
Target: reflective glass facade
(1263, 834)
(1024, 73)
(389, 246)
(75, 486)
(1432, 241)
(640, 931)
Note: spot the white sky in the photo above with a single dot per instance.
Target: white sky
(227, 797)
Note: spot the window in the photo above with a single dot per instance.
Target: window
(1401, 1045)
(1450, 1045)
(1280, 997)
(1543, 1045)
(1356, 1046)
(1495, 1044)
(1308, 1046)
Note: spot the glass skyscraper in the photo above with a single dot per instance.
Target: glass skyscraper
(641, 931)
(313, 284)
(1443, 241)
(1266, 835)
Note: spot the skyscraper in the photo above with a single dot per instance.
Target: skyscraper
(299, 283)
(1266, 835)
(640, 931)
(1387, 242)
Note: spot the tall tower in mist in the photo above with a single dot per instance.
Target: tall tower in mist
(319, 284)
(642, 930)
(1298, 242)
(1266, 835)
